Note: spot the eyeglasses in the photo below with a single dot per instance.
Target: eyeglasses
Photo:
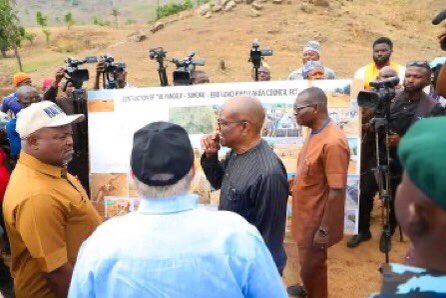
(225, 124)
(423, 64)
(298, 109)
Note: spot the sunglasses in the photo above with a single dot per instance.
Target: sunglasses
(423, 64)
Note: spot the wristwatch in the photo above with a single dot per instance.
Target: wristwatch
(323, 232)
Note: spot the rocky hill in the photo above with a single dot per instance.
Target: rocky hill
(345, 29)
(85, 11)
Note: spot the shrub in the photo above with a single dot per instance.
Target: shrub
(173, 8)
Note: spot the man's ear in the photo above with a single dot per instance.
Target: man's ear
(418, 220)
(441, 82)
(32, 142)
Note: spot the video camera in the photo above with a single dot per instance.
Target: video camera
(182, 75)
(110, 67)
(380, 96)
(256, 56)
(159, 54)
(74, 74)
(437, 20)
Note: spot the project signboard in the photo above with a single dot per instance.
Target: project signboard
(114, 116)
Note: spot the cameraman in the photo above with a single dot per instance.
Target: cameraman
(199, 77)
(408, 106)
(119, 74)
(264, 73)
(79, 165)
(51, 93)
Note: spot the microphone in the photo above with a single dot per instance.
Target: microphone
(439, 18)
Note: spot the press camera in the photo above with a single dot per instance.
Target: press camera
(380, 96)
(110, 68)
(76, 75)
(182, 75)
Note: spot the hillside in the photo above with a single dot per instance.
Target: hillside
(84, 11)
(346, 31)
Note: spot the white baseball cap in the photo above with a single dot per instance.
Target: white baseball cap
(43, 114)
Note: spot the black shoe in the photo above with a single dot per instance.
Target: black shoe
(296, 290)
(383, 245)
(357, 239)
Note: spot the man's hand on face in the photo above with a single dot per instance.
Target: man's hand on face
(100, 68)
(394, 139)
(210, 144)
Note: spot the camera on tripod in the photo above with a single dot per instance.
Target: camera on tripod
(380, 96)
(159, 54)
(182, 75)
(437, 20)
(379, 100)
(256, 56)
(75, 75)
(110, 68)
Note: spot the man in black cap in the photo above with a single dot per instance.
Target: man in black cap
(169, 247)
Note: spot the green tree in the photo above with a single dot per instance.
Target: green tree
(42, 21)
(30, 37)
(69, 21)
(11, 33)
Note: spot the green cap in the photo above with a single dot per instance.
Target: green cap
(422, 152)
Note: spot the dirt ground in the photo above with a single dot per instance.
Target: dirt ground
(351, 272)
(346, 32)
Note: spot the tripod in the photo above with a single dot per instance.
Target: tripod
(383, 177)
(382, 174)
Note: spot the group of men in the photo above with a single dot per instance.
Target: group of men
(170, 247)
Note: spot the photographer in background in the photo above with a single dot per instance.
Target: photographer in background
(407, 107)
(79, 164)
(199, 77)
(51, 93)
(118, 73)
(264, 73)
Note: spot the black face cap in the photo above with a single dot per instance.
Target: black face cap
(162, 154)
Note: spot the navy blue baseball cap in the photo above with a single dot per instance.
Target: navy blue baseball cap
(162, 154)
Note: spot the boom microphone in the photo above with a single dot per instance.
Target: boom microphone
(439, 18)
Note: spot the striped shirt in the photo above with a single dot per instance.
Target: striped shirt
(254, 184)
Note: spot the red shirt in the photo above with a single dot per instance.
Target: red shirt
(4, 174)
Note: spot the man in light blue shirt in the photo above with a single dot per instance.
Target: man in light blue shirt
(169, 247)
